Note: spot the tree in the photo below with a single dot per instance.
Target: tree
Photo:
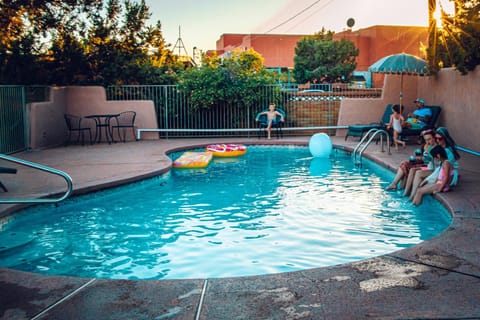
(233, 79)
(457, 42)
(82, 41)
(25, 27)
(319, 58)
(128, 51)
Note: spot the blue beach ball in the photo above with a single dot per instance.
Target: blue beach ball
(320, 145)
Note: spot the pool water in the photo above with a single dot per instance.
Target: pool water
(275, 209)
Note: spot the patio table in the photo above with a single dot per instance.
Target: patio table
(102, 122)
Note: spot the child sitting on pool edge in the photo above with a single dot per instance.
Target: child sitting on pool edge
(442, 182)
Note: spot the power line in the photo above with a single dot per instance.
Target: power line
(310, 15)
(290, 19)
(293, 17)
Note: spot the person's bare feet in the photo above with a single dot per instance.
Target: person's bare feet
(391, 187)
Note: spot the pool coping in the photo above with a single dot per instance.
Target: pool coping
(442, 273)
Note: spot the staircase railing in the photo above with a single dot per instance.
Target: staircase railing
(64, 175)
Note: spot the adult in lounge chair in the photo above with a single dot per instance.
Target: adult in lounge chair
(419, 117)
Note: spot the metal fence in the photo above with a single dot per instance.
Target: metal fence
(12, 119)
(306, 110)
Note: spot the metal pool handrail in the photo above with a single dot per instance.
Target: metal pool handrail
(64, 175)
(370, 135)
(466, 150)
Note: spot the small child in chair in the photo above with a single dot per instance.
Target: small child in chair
(271, 117)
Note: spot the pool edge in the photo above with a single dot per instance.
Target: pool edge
(449, 251)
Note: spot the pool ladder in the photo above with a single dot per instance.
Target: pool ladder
(64, 175)
(362, 145)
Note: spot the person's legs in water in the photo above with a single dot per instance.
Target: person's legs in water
(398, 176)
(426, 189)
(419, 177)
(409, 180)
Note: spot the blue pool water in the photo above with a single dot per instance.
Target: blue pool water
(275, 209)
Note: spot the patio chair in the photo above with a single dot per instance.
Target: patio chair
(75, 124)
(124, 121)
(358, 130)
(277, 125)
(6, 170)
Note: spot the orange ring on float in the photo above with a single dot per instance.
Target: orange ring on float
(226, 149)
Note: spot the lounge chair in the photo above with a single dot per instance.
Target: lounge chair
(6, 170)
(262, 121)
(358, 130)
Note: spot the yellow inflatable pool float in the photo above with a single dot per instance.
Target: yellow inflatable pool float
(193, 160)
(227, 150)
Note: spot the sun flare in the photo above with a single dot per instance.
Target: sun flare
(443, 8)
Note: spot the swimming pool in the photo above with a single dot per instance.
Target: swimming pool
(275, 209)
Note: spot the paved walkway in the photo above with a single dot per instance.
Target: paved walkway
(439, 278)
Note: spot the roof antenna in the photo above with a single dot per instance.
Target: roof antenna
(179, 44)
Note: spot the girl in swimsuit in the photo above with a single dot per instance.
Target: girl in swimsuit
(443, 138)
(396, 123)
(442, 183)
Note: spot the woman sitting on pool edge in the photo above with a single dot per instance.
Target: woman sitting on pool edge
(272, 115)
(442, 182)
(403, 175)
(443, 139)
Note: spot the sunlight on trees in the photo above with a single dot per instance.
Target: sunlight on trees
(444, 8)
(457, 42)
(83, 42)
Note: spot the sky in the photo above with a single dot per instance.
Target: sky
(202, 22)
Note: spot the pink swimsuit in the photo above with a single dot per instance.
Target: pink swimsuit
(442, 178)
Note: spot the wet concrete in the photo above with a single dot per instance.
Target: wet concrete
(438, 278)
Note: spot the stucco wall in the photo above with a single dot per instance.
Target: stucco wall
(276, 50)
(459, 97)
(47, 125)
(368, 110)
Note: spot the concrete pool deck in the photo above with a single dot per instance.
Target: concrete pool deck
(438, 278)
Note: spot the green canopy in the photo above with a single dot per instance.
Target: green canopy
(401, 63)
